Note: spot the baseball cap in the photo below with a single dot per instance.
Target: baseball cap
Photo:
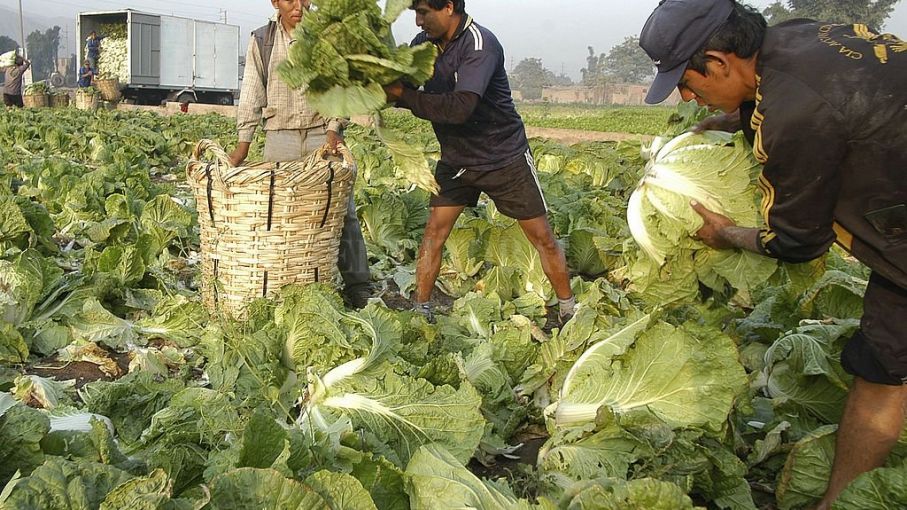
(676, 30)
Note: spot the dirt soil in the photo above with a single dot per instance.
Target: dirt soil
(82, 372)
(572, 136)
(440, 301)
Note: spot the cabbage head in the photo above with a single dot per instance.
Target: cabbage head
(717, 170)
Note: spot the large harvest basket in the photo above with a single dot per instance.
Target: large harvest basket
(35, 100)
(267, 225)
(86, 100)
(109, 89)
(59, 100)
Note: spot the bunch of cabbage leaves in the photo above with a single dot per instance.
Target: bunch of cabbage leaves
(717, 170)
(346, 56)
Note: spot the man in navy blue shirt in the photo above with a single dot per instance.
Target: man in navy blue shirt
(483, 144)
(93, 48)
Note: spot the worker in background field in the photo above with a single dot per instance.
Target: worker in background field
(293, 130)
(830, 128)
(483, 144)
(12, 87)
(93, 49)
(86, 74)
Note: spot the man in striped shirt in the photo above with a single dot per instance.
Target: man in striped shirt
(293, 130)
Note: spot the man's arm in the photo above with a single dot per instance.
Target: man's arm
(252, 100)
(801, 140)
(728, 122)
(19, 70)
(334, 133)
(721, 233)
(452, 108)
(801, 148)
(474, 74)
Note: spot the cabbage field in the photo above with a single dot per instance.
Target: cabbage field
(645, 120)
(697, 380)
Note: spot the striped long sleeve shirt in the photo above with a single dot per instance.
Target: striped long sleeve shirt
(275, 104)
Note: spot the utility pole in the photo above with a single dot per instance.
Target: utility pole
(223, 12)
(21, 28)
(65, 38)
(28, 72)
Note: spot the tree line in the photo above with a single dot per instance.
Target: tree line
(628, 63)
(43, 48)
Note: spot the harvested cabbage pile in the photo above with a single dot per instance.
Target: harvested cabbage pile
(8, 59)
(37, 89)
(349, 54)
(112, 62)
(717, 170)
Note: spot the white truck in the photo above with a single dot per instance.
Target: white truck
(170, 58)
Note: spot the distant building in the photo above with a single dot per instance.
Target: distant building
(619, 94)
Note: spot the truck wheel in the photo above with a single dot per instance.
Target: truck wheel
(57, 80)
(185, 97)
(225, 99)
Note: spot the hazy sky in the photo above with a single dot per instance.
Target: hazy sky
(558, 32)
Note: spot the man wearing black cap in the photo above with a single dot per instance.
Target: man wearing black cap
(829, 123)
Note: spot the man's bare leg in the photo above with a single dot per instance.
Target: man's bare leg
(554, 263)
(440, 222)
(872, 422)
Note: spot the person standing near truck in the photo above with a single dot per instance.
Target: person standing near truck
(293, 130)
(826, 108)
(12, 87)
(93, 49)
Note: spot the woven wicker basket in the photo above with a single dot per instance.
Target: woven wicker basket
(35, 100)
(86, 100)
(267, 225)
(59, 100)
(109, 88)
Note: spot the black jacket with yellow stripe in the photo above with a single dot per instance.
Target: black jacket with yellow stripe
(830, 126)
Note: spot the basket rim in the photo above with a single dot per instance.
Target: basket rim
(291, 173)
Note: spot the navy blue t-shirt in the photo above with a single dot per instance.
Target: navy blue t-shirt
(93, 46)
(494, 136)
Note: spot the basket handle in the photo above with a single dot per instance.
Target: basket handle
(216, 150)
(342, 150)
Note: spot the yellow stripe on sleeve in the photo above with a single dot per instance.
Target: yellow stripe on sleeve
(844, 237)
(768, 198)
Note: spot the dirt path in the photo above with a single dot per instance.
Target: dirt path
(571, 136)
(564, 136)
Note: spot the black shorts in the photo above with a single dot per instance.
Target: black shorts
(514, 188)
(878, 351)
(12, 101)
